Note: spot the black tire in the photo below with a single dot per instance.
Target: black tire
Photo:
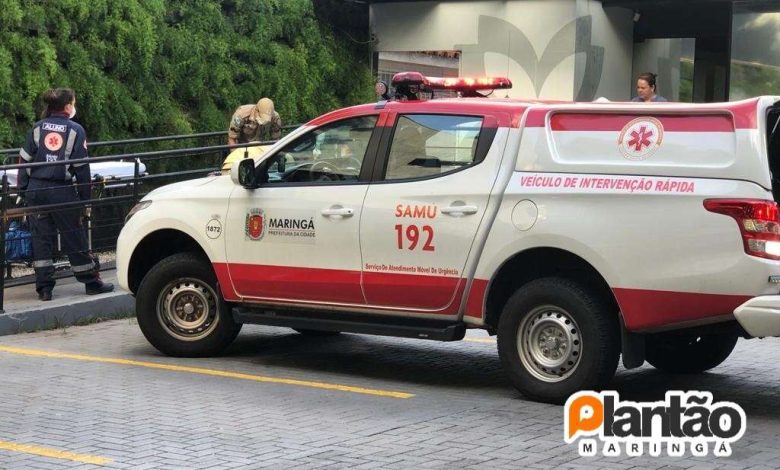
(576, 340)
(320, 333)
(184, 281)
(689, 353)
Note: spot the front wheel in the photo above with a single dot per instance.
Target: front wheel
(555, 337)
(181, 311)
(689, 353)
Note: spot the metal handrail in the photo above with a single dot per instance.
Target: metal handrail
(128, 156)
(145, 140)
(142, 140)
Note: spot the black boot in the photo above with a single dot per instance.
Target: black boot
(44, 295)
(99, 287)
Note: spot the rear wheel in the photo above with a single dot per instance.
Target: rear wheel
(180, 309)
(689, 353)
(556, 337)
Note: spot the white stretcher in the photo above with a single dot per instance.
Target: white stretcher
(108, 171)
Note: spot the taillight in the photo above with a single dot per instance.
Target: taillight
(758, 220)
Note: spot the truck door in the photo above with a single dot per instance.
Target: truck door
(423, 210)
(295, 238)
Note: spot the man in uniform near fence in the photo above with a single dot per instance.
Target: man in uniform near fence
(255, 123)
(56, 138)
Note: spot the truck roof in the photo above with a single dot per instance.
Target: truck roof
(744, 112)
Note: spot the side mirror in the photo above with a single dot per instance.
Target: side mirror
(243, 173)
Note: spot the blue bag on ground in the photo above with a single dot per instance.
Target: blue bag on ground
(18, 242)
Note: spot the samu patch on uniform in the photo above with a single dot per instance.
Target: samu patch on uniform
(52, 141)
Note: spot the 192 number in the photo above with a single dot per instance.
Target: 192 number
(412, 233)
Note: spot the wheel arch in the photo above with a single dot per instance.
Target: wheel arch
(155, 247)
(539, 262)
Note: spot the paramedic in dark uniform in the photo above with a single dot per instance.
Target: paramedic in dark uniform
(56, 138)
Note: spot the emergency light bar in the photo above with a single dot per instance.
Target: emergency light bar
(461, 83)
(464, 85)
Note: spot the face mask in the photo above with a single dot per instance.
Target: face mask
(72, 113)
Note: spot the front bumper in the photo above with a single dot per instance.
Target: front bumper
(760, 316)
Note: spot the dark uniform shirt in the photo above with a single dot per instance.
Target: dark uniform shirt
(56, 139)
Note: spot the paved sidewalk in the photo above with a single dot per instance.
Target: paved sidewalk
(70, 305)
(280, 400)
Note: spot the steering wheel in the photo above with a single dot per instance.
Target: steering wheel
(323, 171)
(352, 164)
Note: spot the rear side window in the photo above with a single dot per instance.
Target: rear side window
(426, 146)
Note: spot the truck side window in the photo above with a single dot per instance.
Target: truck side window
(332, 153)
(432, 145)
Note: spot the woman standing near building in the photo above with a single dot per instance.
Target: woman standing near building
(646, 89)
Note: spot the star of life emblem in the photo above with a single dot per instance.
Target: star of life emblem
(52, 141)
(640, 138)
(255, 224)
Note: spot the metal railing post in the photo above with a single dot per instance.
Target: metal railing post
(136, 175)
(3, 204)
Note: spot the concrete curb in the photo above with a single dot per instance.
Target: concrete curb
(105, 306)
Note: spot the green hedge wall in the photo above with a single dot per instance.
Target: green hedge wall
(156, 67)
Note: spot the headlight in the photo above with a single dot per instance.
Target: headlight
(140, 206)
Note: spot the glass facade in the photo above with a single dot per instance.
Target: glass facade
(672, 60)
(687, 55)
(755, 50)
(702, 51)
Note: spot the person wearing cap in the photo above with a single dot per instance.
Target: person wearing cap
(254, 123)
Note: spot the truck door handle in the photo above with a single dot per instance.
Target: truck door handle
(338, 210)
(459, 210)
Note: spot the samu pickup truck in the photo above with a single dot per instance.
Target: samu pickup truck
(575, 232)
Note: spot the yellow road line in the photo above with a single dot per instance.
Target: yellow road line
(212, 372)
(54, 453)
(481, 340)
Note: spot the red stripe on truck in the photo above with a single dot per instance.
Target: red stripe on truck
(697, 118)
(475, 305)
(225, 285)
(616, 122)
(646, 309)
(285, 282)
(503, 113)
(413, 293)
(642, 309)
(745, 114)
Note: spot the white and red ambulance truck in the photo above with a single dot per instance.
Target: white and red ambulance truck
(576, 232)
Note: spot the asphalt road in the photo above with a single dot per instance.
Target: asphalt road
(100, 396)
